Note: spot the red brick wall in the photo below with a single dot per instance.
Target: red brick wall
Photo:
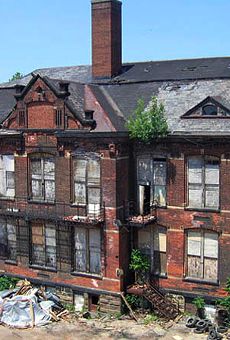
(106, 38)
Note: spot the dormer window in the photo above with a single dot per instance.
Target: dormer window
(209, 110)
(89, 115)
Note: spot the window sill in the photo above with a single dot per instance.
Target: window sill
(76, 205)
(90, 275)
(47, 269)
(217, 210)
(200, 281)
(160, 276)
(11, 262)
(5, 198)
(41, 202)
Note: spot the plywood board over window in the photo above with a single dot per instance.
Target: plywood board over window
(43, 245)
(202, 255)
(7, 182)
(203, 182)
(87, 181)
(42, 178)
(87, 244)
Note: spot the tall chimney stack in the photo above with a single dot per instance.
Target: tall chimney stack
(106, 38)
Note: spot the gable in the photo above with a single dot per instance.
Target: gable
(210, 107)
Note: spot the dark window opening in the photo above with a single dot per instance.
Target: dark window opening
(89, 115)
(209, 110)
(21, 118)
(144, 191)
(8, 241)
(58, 118)
(93, 302)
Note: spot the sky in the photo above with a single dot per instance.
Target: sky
(48, 33)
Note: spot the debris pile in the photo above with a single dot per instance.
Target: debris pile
(142, 218)
(207, 326)
(26, 307)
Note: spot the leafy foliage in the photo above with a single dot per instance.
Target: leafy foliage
(139, 262)
(7, 282)
(16, 76)
(148, 123)
(150, 318)
(134, 300)
(225, 301)
(199, 302)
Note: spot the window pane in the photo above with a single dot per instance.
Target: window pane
(160, 195)
(51, 256)
(195, 170)
(212, 197)
(194, 243)
(210, 269)
(80, 193)
(9, 180)
(80, 170)
(80, 249)
(93, 172)
(80, 260)
(36, 188)
(160, 263)
(36, 169)
(211, 245)
(95, 262)
(160, 240)
(144, 241)
(38, 254)
(95, 250)
(195, 196)
(7, 185)
(3, 239)
(49, 168)
(144, 170)
(212, 173)
(49, 190)
(94, 195)
(159, 173)
(194, 267)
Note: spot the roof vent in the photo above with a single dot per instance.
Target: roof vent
(64, 87)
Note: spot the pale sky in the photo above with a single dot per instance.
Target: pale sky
(46, 33)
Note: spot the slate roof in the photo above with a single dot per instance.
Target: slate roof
(7, 102)
(178, 84)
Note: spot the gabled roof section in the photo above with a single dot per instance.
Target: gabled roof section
(7, 102)
(221, 105)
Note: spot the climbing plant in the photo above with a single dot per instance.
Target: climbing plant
(148, 123)
(140, 264)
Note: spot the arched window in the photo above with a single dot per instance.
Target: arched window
(202, 255)
(209, 110)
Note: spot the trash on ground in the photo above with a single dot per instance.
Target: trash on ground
(26, 307)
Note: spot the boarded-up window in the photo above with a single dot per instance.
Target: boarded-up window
(151, 174)
(44, 245)
(8, 240)
(203, 182)
(7, 185)
(152, 243)
(43, 179)
(87, 250)
(202, 255)
(87, 189)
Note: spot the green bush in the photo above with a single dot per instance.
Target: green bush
(199, 302)
(7, 282)
(139, 262)
(148, 123)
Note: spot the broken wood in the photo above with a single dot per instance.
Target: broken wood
(129, 307)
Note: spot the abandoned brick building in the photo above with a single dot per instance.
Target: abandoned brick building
(72, 183)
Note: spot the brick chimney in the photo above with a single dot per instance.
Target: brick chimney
(106, 38)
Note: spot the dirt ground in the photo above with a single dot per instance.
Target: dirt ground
(102, 329)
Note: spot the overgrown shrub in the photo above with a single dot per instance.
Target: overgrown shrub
(148, 123)
(7, 282)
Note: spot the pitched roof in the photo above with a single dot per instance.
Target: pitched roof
(7, 102)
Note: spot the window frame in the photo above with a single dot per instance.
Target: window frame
(41, 158)
(153, 231)
(152, 184)
(8, 197)
(58, 118)
(203, 185)
(87, 250)
(85, 182)
(9, 242)
(33, 262)
(202, 233)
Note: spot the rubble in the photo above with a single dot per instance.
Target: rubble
(27, 307)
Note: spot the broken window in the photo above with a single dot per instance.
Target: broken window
(7, 182)
(8, 240)
(152, 243)
(151, 183)
(87, 189)
(43, 245)
(202, 255)
(42, 178)
(87, 243)
(203, 182)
